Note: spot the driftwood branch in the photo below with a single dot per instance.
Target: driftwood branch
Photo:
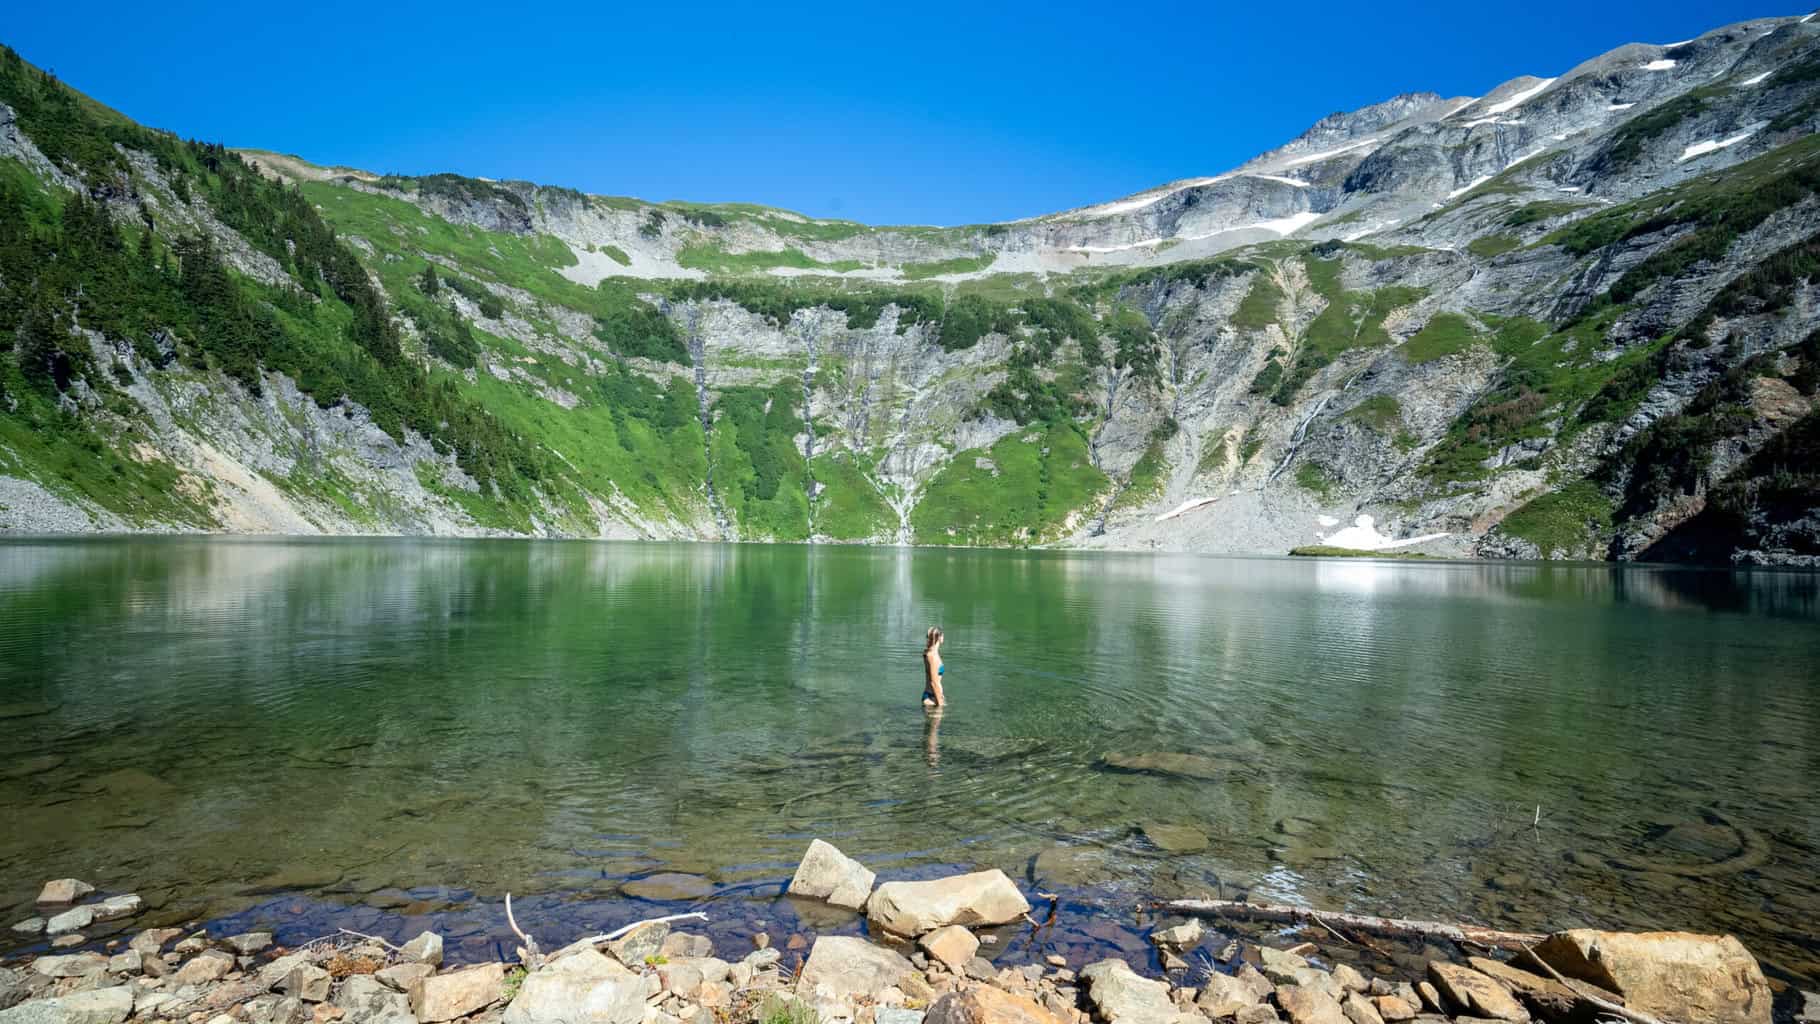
(528, 952)
(1605, 1005)
(617, 932)
(1359, 922)
(363, 935)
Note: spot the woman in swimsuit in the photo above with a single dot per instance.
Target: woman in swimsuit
(933, 697)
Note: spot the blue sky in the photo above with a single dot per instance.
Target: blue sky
(929, 113)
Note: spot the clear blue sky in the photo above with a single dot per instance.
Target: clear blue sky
(929, 113)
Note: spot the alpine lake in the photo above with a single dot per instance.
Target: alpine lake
(387, 735)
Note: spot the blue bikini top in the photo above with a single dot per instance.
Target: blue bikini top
(941, 670)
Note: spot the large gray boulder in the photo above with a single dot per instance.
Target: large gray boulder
(70, 965)
(1676, 975)
(1123, 997)
(585, 985)
(100, 1006)
(847, 966)
(914, 908)
(826, 873)
(458, 993)
(368, 1001)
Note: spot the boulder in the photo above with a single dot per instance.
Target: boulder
(1474, 993)
(248, 943)
(1122, 997)
(100, 1006)
(369, 1002)
(400, 977)
(15, 987)
(206, 966)
(1666, 974)
(828, 874)
(1225, 995)
(306, 982)
(899, 1015)
(1809, 1013)
(1308, 1005)
(1277, 959)
(914, 908)
(72, 965)
(952, 945)
(983, 1004)
(1263, 1013)
(426, 948)
(130, 962)
(117, 907)
(640, 944)
(72, 920)
(1349, 979)
(1254, 980)
(64, 890)
(443, 997)
(585, 986)
(271, 974)
(30, 926)
(849, 966)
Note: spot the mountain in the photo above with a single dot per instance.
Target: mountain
(1570, 318)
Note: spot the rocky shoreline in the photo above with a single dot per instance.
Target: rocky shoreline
(927, 958)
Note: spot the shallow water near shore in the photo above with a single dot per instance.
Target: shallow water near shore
(383, 734)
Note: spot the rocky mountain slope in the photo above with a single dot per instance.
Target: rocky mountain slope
(1569, 318)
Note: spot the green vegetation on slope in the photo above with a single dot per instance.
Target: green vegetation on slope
(758, 471)
(1570, 522)
(1020, 491)
(958, 265)
(1444, 335)
(1349, 320)
(711, 257)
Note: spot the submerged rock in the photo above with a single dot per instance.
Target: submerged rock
(1158, 762)
(668, 887)
(826, 873)
(64, 890)
(1666, 974)
(1175, 838)
(914, 908)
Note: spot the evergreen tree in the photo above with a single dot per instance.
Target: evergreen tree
(427, 282)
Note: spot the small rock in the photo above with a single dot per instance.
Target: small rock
(426, 948)
(325, 1012)
(68, 941)
(714, 994)
(979, 969)
(64, 890)
(1431, 999)
(1475, 993)
(1255, 980)
(153, 965)
(898, 1015)
(73, 965)
(73, 920)
(1393, 1009)
(1056, 960)
(796, 942)
(642, 942)
(152, 941)
(400, 977)
(1259, 1014)
(248, 943)
(369, 1002)
(1308, 1005)
(130, 962)
(118, 906)
(678, 945)
(759, 959)
(761, 941)
(307, 982)
(953, 945)
(193, 944)
(1810, 1009)
(828, 874)
(30, 926)
(1349, 979)
(444, 997)
(1359, 1010)
(206, 966)
(1225, 995)
(1182, 936)
(1172, 962)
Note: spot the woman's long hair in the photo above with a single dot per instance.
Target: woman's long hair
(935, 637)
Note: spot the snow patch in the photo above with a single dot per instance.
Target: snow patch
(1659, 65)
(1317, 157)
(1364, 536)
(1486, 120)
(1519, 98)
(1568, 188)
(1185, 507)
(1284, 225)
(1807, 19)
(1756, 79)
(1620, 106)
(1670, 46)
(1469, 186)
(1711, 146)
(1143, 199)
(1143, 244)
(1277, 177)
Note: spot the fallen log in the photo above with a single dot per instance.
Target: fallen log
(1513, 941)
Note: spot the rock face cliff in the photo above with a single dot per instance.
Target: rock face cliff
(1570, 318)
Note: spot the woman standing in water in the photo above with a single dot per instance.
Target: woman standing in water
(933, 697)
